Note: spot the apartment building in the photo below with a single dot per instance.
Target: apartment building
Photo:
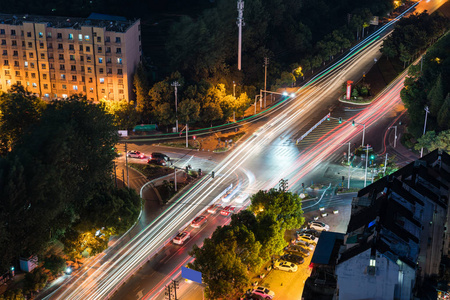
(55, 57)
(397, 233)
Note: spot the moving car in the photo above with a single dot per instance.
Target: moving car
(198, 222)
(159, 162)
(160, 156)
(241, 198)
(213, 208)
(181, 238)
(297, 249)
(307, 238)
(263, 292)
(293, 258)
(135, 154)
(319, 226)
(228, 210)
(305, 245)
(285, 266)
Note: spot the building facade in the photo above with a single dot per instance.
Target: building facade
(55, 57)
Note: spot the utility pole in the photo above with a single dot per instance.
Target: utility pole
(385, 165)
(240, 23)
(115, 174)
(175, 84)
(266, 62)
(126, 164)
(424, 127)
(187, 128)
(367, 159)
(349, 165)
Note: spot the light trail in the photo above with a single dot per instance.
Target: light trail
(109, 274)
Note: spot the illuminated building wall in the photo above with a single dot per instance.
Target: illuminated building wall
(55, 57)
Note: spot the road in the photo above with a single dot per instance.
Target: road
(271, 148)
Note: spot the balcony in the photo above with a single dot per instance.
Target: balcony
(71, 50)
(51, 59)
(119, 75)
(60, 50)
(62, 71)
(61, 60)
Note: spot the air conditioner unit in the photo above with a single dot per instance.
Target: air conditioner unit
(371, 270)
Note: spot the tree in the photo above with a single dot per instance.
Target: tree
(211, 112)
(19, 110)
(125, 114)
(432, 141)
(140, 82)
(444, 114)
(189, 111)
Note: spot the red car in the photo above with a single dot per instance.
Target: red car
(227, 210)
(198, 222)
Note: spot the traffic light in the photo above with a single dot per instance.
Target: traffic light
(212, 174)
(372, 157)
(353, 123)
(303, 185)
(343, 178)
(328, 117)
(340, 120)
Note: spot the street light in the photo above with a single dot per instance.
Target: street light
(395, 138)
(234, 89)
(424, 127)
(175, 84)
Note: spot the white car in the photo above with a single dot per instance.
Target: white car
(263, 292)
(213, 208)
(308, 238)
(181, 238)
(285, 266)
(241, 198)
(319, 226)
(135, 154)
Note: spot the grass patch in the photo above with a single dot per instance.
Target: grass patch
(152, 171)
(221, 149)
(167, 189)
(191, 144)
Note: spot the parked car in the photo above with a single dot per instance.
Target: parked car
(157, 155)
(198, 222)
(297, 249)
(319, 226)
(310, 231)
(305, 244)
(159, 162)
(135, 154)
(263, 292)
(228, 210)
(307, 238)
(296, 259)
(181, 238)
(214, 208)
(285, 266)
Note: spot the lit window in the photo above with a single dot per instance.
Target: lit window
(26, 64)
(46, 87)
(91, 90)
(372, 262)
(47, 95)
(80, 37)
(41, 34)
(64, 86)
(75, 87)
(63, 76)
(43, 66)
(8, 81)
(64, 96)
(119, 61)
(86, 37)
(100, 60)
(102, 80)
(70, 36)
(34, 85)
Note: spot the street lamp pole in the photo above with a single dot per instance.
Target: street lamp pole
(234, 95)
(266, 62)
(364, 134)
(240, 23)
(367, 159)
(256, 98)
(349, 166)
(175, 84)
(424, 127)
(395, 138)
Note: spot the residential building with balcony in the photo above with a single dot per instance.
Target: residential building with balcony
(55, 57)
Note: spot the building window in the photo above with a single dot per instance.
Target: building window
(108, 50)
(102, 80)
(61, 56)
(91, 90)
(75, 87)
(41, 45)
(108, 60)
(109, 71)
(117, 39)
(99, 39)
(30, 45)
(46, 95)
(119, 61)
(30, 55)
(62, 67)
(88, 58)
(120, 91)
(49, 34)
(41, 34)
(88, 49)
(64, 96)
(59, 35)
(60, 46)
(100, 49)
(70, 36)
(63, 76)
(5, 52)
(33, 75)
(100, 70)
(42, 55)
(26, 74)
(17, 73)
(18, 83)
(23, 43)
(44, 76)
(3, 42)
(6, 62)
(120, 81)
(6, 72)
(81, 48)
(71, 47)
(72, 57)
(29, 34)
(73, 68)
(2, 31)
(107, 39)
(82, 68)
(15, 53)
(86, 38)
(32, 65)
(103, 91)
(119, 72)
(13, 43)
(118, 50)
(46, 87)
(74, 77)
(81, 58)
(26, 64)
(100, 60)
(64, 86)
(373, 262)
(34, 85)
(89, 69)
(16, 63)
(44, 66)
(50, 46)
(13, 32)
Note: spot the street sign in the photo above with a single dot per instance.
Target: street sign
(192, 275)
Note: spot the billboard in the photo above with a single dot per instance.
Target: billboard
(374, 20)
(192, 275)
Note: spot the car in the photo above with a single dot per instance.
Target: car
(296, 259)
(319, 226)
(305, 244)
(297, 249)
(181, 238)
(213, 208)
(241, 198)
(135, 154)
(263, 292)
(198, 221)
(159, 162)
(285, 266)
(228, 210)
(310, 231)
(307, 238)
(157, 155)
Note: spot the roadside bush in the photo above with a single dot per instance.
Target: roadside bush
(54, 264)
(35, 280)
